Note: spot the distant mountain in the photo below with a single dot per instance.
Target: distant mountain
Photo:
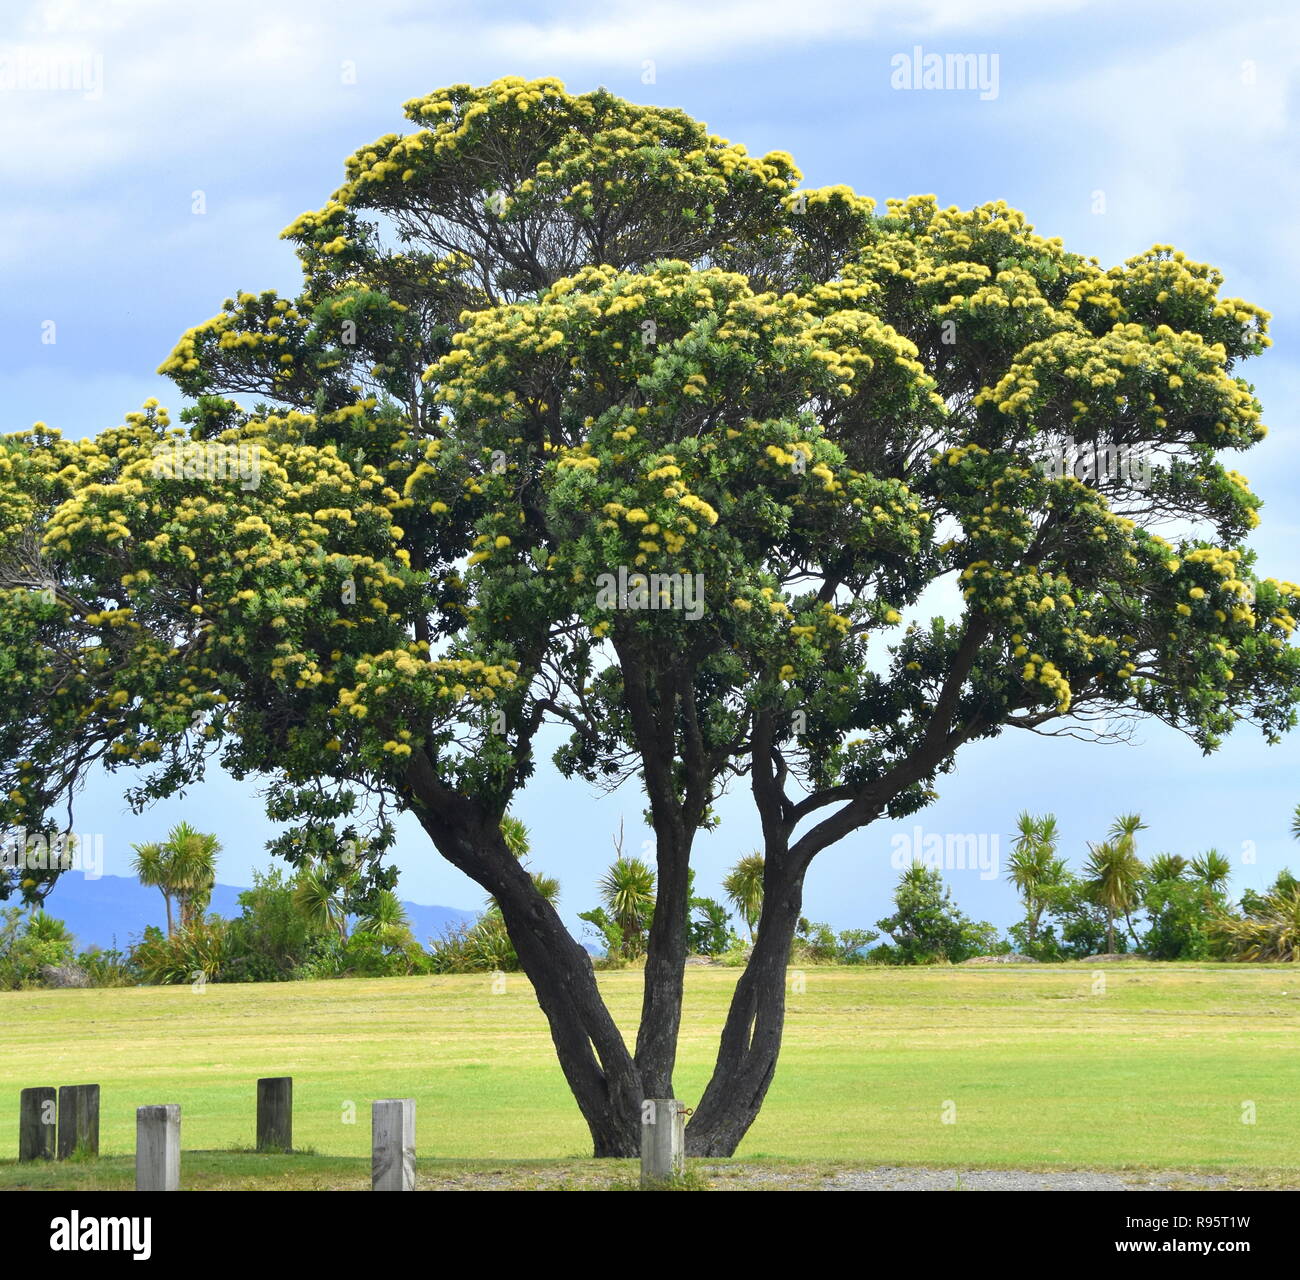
(119, 907)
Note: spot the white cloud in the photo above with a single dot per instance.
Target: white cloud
(628, 31)
(1190, 141)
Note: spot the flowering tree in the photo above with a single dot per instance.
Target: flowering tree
(586, 416)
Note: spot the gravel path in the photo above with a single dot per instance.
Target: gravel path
(903, 1178)
(1011, 1180)
(590, 1175)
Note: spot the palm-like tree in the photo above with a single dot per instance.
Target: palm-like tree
(151, 870)
(1114, 873)
(1212, 868)
(1167, 866)
(386, 919)
(320, 901)
(1123, 831)
(1270, 932)
(517, 841)
(184, 868)
(547, 886)
(515, 835)
(192, 860)
(43, 927)
(627, 892)
(743, 886)
(1034, 866)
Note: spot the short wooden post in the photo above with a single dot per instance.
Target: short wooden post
(37, 1123)
(78, 1120)
(663, 1141)
(158, 1148)
(275, 1113)
(392, 1145)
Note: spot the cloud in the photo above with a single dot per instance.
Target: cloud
(1189, 139)
(629, 31)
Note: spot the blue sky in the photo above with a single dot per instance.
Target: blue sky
(1180, 116)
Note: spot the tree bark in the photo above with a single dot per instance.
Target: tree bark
(595, 1061)
(751, 1037)
(665, 967)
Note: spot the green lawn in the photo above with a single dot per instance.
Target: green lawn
(1043, 1071)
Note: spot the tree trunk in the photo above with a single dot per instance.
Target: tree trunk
(595, 1061)
(665, 968)
(751, 1038)
(1132, 933)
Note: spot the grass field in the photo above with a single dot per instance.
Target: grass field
(1042, 1070)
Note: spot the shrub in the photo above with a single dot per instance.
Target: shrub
(272, 936)
(108, 967)
(1269, 931)
(927, 927)
(28, 942)
(709, 932)
(818, 943)
(195, 953)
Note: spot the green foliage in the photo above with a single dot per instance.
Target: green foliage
(627, 895)
(29, 940)
(1269, 932)
(483, 946)
(183, 867)
(743, 885)
(542, 336)
(1182, 915)
(606, 930)
(108, 967)
(708, 931)
(1212, 868)
(273, 935)
(1078, 927)
(193, 954)
(927, 927)
(1035, 869)
(1166, 866)
(1254, 904)
(1268, 928)
(1115, 874)
(817, 943)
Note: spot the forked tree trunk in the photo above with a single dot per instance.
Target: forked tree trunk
(595, 1061)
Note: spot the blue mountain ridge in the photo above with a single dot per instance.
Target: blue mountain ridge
(115, 910)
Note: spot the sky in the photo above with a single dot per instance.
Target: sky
(153, 177)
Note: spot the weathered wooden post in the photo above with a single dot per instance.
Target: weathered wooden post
(78, 1120)
(275, 1113)
(392, 1145)
(663, 1141)
(158, 1148)
(37, 1123)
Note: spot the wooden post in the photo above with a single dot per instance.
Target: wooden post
(275, 1113)
(158, 1148)
(37, 1124)
(78, 1120)
(663, 1141)
(392, 1145)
